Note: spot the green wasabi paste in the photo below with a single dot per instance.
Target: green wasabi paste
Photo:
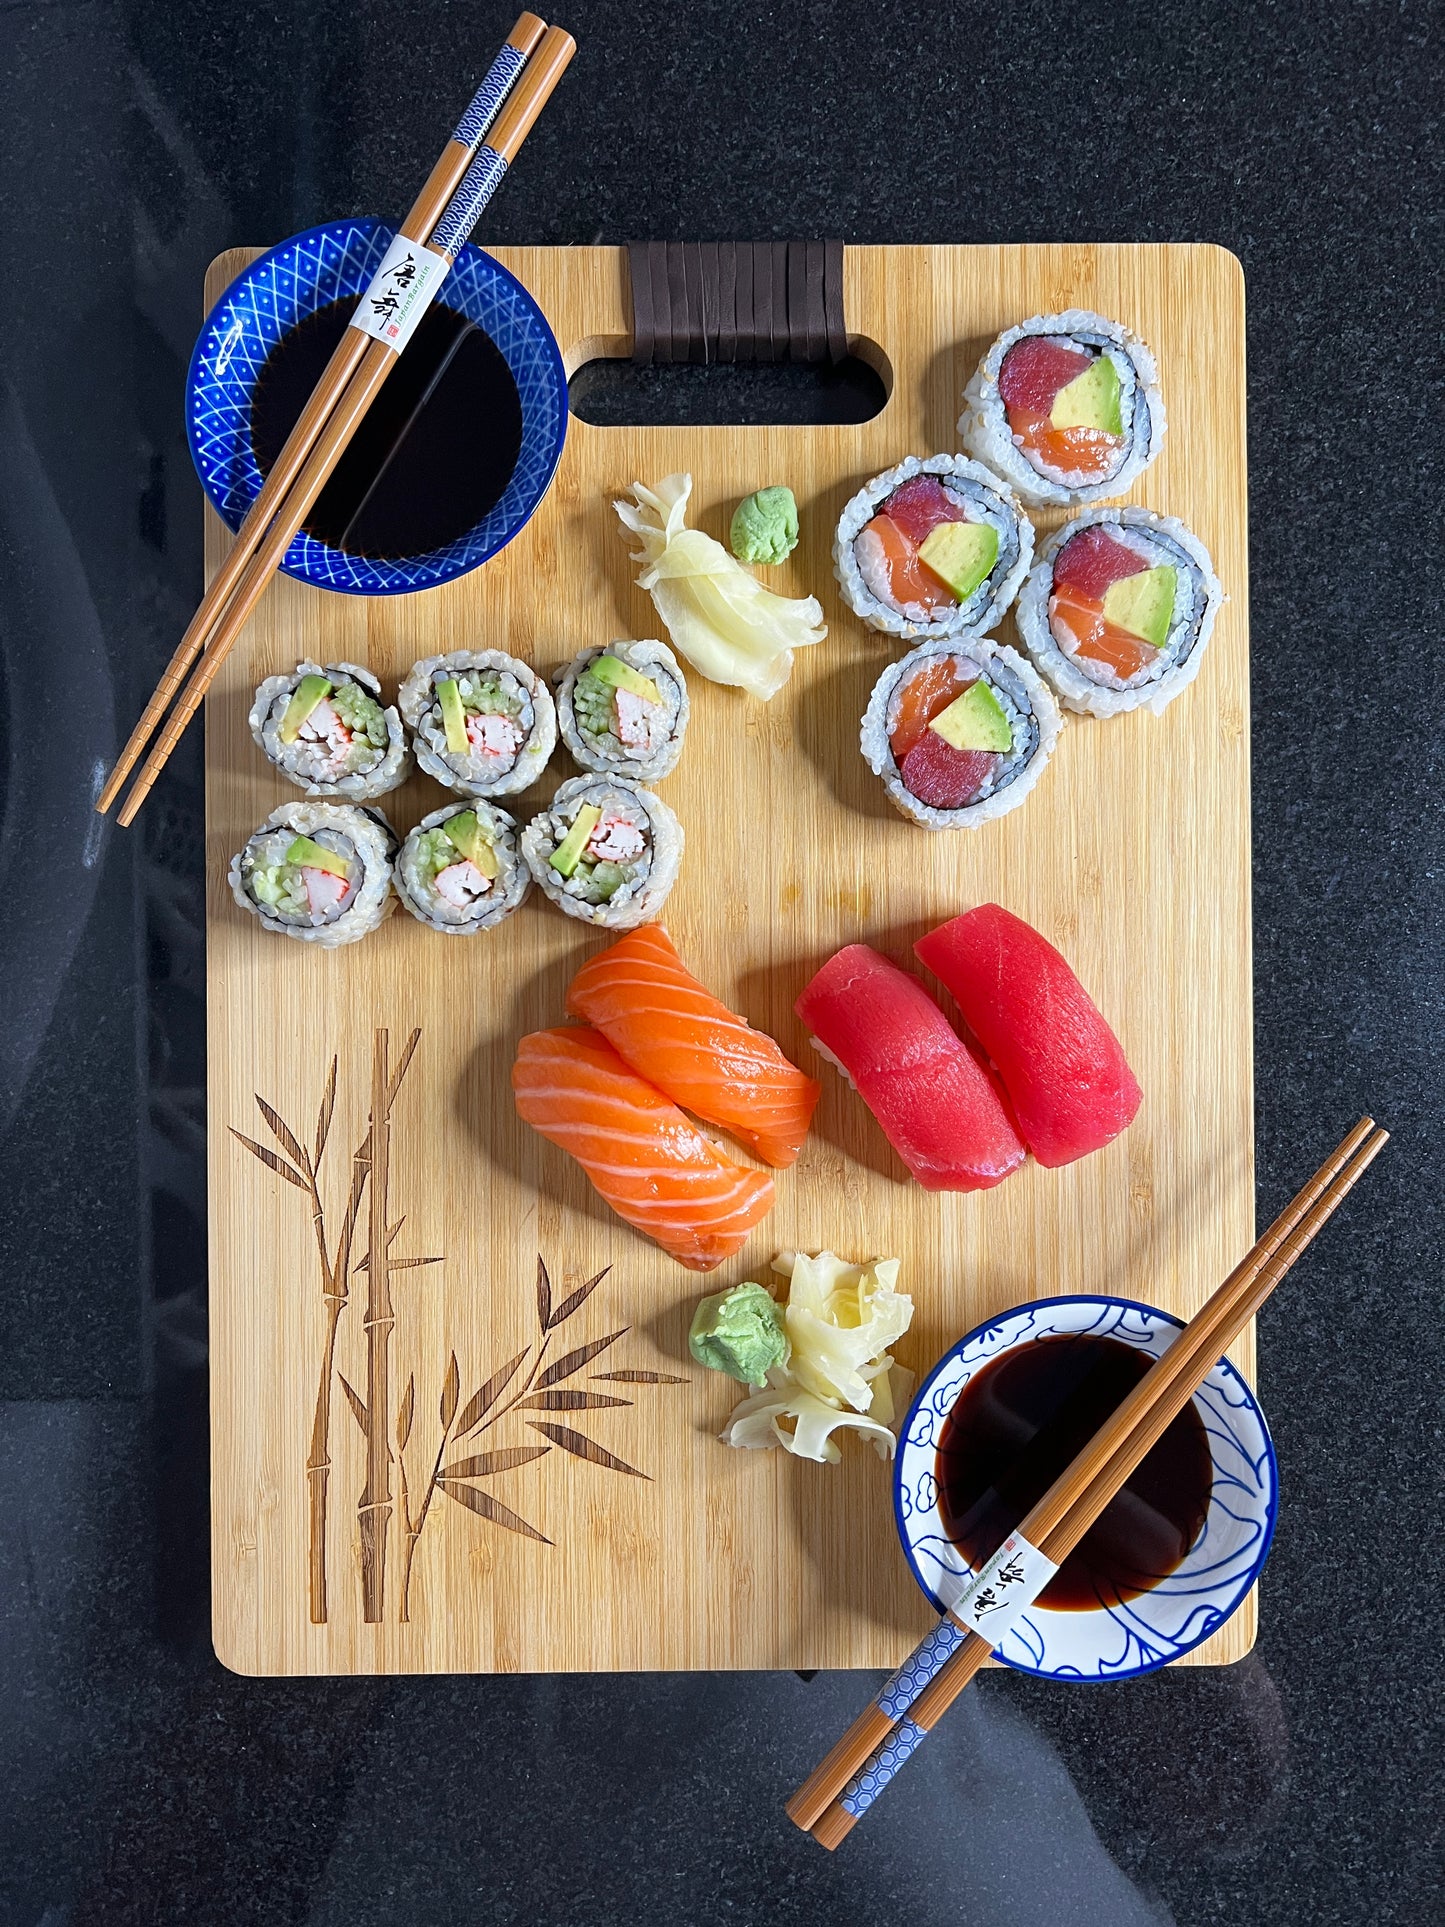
(739, 1332)
(765, 526)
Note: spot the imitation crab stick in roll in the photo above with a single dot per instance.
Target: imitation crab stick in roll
(701, 1054)
(1065, 1072)
(654, 1167)
(936, 1104)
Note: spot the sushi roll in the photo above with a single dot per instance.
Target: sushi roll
(960, 732)
(484, 722)
(324, 728)
(605, 851)
(320, 872)
(460, 870)
(1118, 610)
(623, 710)
(932, 548)
(1066, 407)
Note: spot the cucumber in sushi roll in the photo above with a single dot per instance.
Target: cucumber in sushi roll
(623, 710)
(934, 547)
(460, 870)
(484, 722)
(1066, 407)
(1118, 610)
(606, 852)
(960, 732)
(320, 872)
(324, 728)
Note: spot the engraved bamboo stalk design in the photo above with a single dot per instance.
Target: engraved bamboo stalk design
(375, 1506)
(336, 1288)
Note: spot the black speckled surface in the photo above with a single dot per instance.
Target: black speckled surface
(142, 1783)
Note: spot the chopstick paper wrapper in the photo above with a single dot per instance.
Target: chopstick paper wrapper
(992, 1603)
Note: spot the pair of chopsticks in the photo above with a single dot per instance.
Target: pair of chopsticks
(468, 173)
(844, 1785)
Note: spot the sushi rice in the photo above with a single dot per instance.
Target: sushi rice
(1090, 688)
(444, 890)
(980, 497)
(1033, 719)
(511, 721)
(631, 860)
(615, 731)
(347, 745)
(984, 427)
(319, 906)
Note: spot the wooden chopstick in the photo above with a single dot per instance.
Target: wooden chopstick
(442, 183)
(1072, 1504)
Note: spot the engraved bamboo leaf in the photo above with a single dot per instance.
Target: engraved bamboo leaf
(571, 1362)
(485, 1464)
(406, 1414)
(582, 1447)
(451, 1392)
(638, 1378)
(544, 1295)
(399, 1073)
(568, 1402)
(493, 1509)
(270, 1159)
(397, 1264)
(480, 1403)
(576, 1300)
(283, 1134)
(324, 1116)
(353, 1399)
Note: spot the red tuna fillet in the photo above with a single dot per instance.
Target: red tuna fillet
(937, 1105)
(1063, 1068)
(1035, 369)
(919, 506)
(1093, 560)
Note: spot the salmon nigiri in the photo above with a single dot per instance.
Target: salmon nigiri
(658, 1016)
(651, 1164)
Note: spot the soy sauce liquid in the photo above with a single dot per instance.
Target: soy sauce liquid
(1021, 1421)
(435, 452)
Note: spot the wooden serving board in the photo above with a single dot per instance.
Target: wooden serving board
(1132, 856)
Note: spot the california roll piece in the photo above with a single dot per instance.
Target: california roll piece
(1066, 407)
(460, 870)
(324, 728)
(320, 872)
(484, 722)
(932, 548)
(606, 852)
(959, 732)
(623, 710)
(1118, 610)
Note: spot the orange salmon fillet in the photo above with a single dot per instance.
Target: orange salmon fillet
(654, 1167)
(660, 1019)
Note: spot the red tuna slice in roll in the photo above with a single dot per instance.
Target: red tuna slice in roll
(937, 1105)
(1065, 1071)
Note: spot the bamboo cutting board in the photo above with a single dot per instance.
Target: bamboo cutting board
(1132, 856)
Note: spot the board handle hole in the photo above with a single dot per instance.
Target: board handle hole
(606, 389)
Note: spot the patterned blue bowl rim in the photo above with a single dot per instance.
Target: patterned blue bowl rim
(1231, 1372)
(305, 560)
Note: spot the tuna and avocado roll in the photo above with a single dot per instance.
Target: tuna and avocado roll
(960, 732)
(1066, 407)
(324, 728)
(484, 722)
(460, 870)
(320, 872)
(1118, 610)
(934, 547)
(606, 851)
(623, 710)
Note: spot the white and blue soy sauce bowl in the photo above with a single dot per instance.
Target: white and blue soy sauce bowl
(1118, 1638)
(280, 290)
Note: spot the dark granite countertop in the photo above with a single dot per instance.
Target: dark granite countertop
(141, 1782)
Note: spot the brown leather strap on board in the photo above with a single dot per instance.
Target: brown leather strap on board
(737, 301)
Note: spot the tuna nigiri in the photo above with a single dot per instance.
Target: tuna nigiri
(652, 1165)
(936, 1103)
(693, 1048)
(1070, 1086)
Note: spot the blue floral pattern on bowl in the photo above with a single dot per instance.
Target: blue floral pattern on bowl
(333, 262)
(1118, 1641)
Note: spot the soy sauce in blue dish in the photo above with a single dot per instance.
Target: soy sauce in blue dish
(1020, 1422)
(435, 452)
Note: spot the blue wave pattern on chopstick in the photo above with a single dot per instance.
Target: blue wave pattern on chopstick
(879, 1768)
(489, 97)
(478, 185)
(921, 1665)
